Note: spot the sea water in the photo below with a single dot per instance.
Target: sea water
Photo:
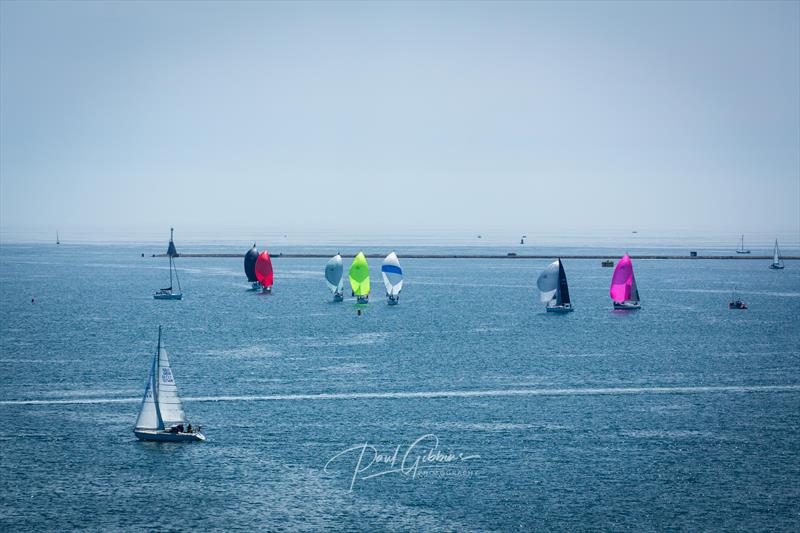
(465, 407)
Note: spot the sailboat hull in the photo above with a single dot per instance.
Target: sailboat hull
(362, 299)
(167, 296)
(776, 267)
(166, 436)
(338, 297)
(393, 300)
(266, 290)
(629, 306)
(560, 309)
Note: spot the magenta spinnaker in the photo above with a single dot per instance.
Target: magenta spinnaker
(622, 280)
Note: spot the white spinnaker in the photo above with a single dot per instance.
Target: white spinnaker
(168, 401)
(334, 273)
(548, 282)
(392, 274)
(148, 419)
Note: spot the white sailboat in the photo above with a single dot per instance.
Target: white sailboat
(741, 249)
(168, 293)
(392, 278)
(777, 260)
(334, 277)
(554, 291)
(161, 417)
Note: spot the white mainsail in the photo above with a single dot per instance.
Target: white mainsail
(161, 406)
(548, 282)
(392, 274)
(334, 274)
(169, 404)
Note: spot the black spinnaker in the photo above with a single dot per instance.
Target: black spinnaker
(250, 263)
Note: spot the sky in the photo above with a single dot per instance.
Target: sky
(399, 117)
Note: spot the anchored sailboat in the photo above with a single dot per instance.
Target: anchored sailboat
(161, 415)
(777, 260)
(624, 291)
(359, 278)
(167, 293)
(552, 284)
(334, 277)
(392, 278)
(741, 249)
(250, 266)
(264, 274)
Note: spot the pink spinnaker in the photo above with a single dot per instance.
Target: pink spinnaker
(622, 280)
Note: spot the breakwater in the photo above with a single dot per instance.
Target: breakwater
(495, 256)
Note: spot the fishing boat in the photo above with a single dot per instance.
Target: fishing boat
(741, 249)
(334, 277)
(777, 260)
(168, 293)
(554, 291)
(264, 275)
(624, 292)
(736, 302)
(359, 278)
(392, 278)
(161, 416)
(250, 267)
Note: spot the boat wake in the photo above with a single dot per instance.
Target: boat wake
(493, 393)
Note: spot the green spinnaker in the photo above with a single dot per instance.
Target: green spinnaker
(359, 275)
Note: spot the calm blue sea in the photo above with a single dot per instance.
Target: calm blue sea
(466, 407)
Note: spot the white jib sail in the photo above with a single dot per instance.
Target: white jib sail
(548, 282)
(334, 273)
(148, 418)
(776, 256)
(392, 274)
(168, 401)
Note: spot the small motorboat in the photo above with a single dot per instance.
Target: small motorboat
(608, 263)
(736, 302)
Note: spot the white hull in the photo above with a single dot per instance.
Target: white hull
(776, 267)
(627, 305)
(266, 290)
(167, 295)
(167, 436)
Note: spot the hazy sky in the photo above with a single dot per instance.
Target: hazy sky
(400, 116)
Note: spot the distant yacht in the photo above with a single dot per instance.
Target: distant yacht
(250, 259)
(392, 278)
(736, 302)
(161, 416)
(58, 241)
(554, 291)
(168, 293)
(334, 277)
(741, 249)
(359, 278)
(264, 274)
(777, 260)
(624, 292)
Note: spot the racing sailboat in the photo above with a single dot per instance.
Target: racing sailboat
(161, 415)
(623, 291)
(777, 260)
(553, 288)
(168, 293)
(334, 277)
(264, 274)
(359, 278)
(392, 278)
(250, 266)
